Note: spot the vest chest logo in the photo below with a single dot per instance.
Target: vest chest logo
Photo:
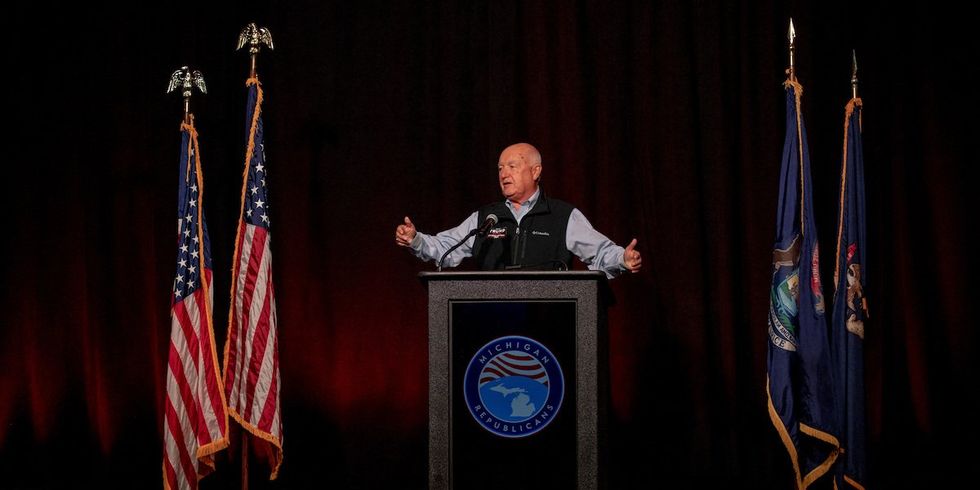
(513, 386)
(497, 233)
(540, 233)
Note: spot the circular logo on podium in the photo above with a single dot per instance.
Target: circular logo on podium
(513, 386)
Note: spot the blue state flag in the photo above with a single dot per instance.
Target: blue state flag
(850, 306)
(800, 377)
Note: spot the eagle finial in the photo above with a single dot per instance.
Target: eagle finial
(186, 79)
(255, 37)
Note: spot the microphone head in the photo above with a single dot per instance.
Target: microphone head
(488, 222)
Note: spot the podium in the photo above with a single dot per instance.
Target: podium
(517, 379)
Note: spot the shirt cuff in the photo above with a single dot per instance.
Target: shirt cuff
(620, 265)
(416, 242)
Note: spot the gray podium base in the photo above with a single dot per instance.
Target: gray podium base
(586, 292)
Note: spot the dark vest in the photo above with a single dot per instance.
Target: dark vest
(537, 244)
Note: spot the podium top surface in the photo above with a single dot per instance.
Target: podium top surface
(512, 275)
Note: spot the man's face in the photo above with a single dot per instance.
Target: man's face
(517, 175)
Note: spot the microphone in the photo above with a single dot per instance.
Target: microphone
(488, 222)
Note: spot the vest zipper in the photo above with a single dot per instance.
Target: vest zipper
(515, 258)
(526, 219)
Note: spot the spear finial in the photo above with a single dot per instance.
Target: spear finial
(186, 79)
(854, 74)
(254, 37)
(791, 36)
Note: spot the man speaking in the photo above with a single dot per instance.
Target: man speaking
(526, 231)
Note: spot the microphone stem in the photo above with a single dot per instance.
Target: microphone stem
(490, 221)
(454, 247)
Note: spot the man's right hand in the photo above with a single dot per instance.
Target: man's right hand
(405, 233)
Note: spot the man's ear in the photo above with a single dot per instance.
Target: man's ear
(536, 173)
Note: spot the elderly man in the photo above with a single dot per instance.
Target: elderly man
(532, 231)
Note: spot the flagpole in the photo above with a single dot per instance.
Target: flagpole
(791, 35)
(244, 459)
(254, 37)
(189, 449)
(854, 74)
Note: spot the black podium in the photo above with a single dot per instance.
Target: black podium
(517, 379)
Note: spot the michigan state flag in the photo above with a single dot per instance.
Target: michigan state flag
(850, 307)
(800, 386)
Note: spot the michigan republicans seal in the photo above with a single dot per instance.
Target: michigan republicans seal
(513, 386)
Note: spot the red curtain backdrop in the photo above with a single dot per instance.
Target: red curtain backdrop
(659, 120)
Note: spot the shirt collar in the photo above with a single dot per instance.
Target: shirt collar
(528, 204)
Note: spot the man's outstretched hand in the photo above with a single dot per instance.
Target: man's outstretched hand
(631, 257)
(405, 233)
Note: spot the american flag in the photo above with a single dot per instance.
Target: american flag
(252, 350)
(513, 363)
(195, 423)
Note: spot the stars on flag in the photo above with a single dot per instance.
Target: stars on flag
(256, 203)
(188, 254)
